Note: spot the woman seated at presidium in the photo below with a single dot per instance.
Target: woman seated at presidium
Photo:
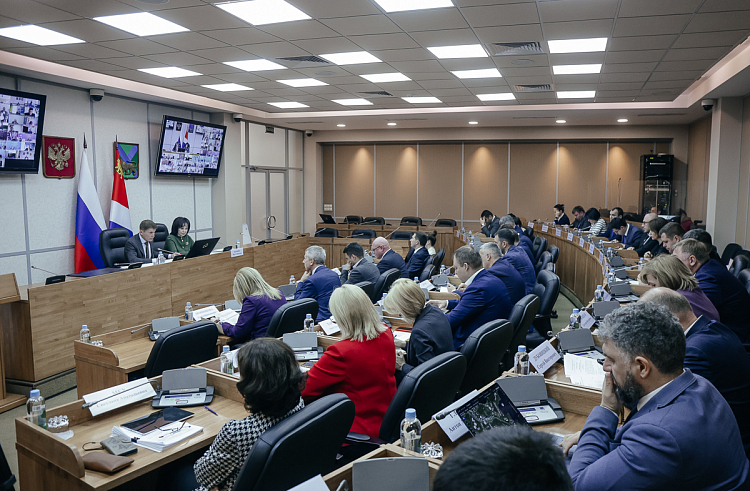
(361, 365)
(431, 334)
(259, 302)
(178, 241)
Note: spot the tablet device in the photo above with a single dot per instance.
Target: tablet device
(157, 419)
(491, 408)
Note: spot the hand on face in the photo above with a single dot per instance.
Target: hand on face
(609, 395)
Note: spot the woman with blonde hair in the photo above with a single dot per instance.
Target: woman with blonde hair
(668, 271)
(360, 365)
(259, 302)
(431, 333)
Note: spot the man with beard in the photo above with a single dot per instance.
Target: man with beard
(680, 433)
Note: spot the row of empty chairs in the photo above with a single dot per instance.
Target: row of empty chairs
(410, 221)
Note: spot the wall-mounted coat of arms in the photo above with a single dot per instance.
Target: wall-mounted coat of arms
(59, 155)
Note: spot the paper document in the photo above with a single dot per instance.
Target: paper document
(161, 438)
(119, 396)
(229, 315)
(329, 327)
(427, 284)
(337, 271)
(584, 371)
(402, 335)
(205, 313)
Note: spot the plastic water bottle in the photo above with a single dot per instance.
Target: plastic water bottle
(188, 312)
(599, 293)
(411, 431)
(36, 409)
(161, 259)
(641, 262)
(226, 361)
(416, 279)
(85, 334)
(292, 280)
(238, 245)
(309, 323)
(521, 361)
(611, 278)
(382, 300)
(442, 269)
(575, 319)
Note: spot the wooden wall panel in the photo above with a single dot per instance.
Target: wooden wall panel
(396, 180)
(439, 181)
(327, 152)
(582, 175)
(354, 169)
(533, 173)
(485, 179)
(624, 185)
(699, 148)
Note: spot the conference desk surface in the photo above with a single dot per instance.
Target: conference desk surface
(9, 292)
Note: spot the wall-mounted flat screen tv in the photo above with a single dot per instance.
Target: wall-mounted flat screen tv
(190, 148)
(21, 123)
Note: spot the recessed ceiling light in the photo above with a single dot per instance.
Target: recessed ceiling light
(141, 24)
(353, 102)
(576, 69)
(38, 35)
(422, 100)
(255, 65)
(560, 121)
(576, 94)
(403, 5)
(623, 120)
(379, 78)
(351, 58)
(260, 12)
(505, 96)
(340, 125)
(391, 124)
(482, 73)
(302, 82)
(169, 72)
(226, 87)
(473, 122)
(462, 51)
(288, 105)
(577, 45)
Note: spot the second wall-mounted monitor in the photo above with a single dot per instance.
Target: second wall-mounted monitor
(190, 148)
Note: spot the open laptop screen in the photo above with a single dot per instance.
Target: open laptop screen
(490, 409)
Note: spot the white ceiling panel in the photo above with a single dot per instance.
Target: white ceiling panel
(719, 21)
(410, 54)
(467, 64)
(180, 59)
(723, 5)
(91, 51)
(368, 68)
(696, 53)
(384, 41)
(241, 78)
(214, 69)
(615, 99)
(628, 67)
(45, 53)
(303, 29)
(574, 30)
(435, 19)
(706, 39)
(501, 15)
(533, 80)
(573, 10)
(648, 26)
(135, 62)
(624, 77)
(521, 61)
(635, 56)
(572, 80)
(418, 66)
(30, 12)
(203, 18)
(187, 41)
(137, 46)
(88, 30)
(363, 24)
(642, 8)
(244, 35)
(92, 65)
(88, 8)
(453, 37)
(641, 43)
(321, 46)
(274, 50)
(426, 77)
(326, 73)
(621, 86)
(692, 75)
(335, 8)
(511, 34)
(220, 55)
(677, 66)
(525, 71)
(576, 58)
(666, 84)
(441, 84)
(616, 93)
(171, 4)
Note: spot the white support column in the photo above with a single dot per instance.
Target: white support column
(228, 190)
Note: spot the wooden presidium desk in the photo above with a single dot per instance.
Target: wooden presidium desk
(8, 293)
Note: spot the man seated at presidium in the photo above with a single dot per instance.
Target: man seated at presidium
(485, 298)
(140, 247)
(317, 282)
(389, 259)
(178, 241)
(431, 333)
(680, 434)
(490, 223)
(629, 235)
(419, 257)
(714, 352)
(560, 217)
(505, 239)
(357, 268)
(508, 274)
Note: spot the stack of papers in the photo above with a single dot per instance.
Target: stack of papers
(402, 335)
(162, 438)
(584, 371)
(206, 313)
(230, 316)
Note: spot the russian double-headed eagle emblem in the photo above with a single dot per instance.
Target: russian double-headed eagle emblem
(59, 154)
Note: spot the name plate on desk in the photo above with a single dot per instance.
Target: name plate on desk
(545, 228)
(570, 236)
(237, 252)
(581, 242)
(601, 258)
(458, 234)
(530, 225)
(591, 249)
(543, 356)
(558, 232)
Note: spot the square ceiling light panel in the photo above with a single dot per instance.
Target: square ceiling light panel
(482, 73)
(379, 78)
(576, 69)
(404, 5)
(288, 105)
(351, 58)
(461, 51)
(169, 72)
(353, 102)
(422, 100)
(255, 65)
(504, 96)
(227, 87)
(302, 82)
(576, 94)
(590, 45)
(262, 12)
(40, 36)
(141, 24)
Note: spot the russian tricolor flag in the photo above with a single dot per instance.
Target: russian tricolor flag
(89, 222)
(119, 212)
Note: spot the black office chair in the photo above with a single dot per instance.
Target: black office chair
(326, 232)
(522, 316)
(363, 233)
(730, 251)
(290, 317)
(181, 347)
(160, 237)
(739, 263)
(553, 249)
(7, 479)
(529, 233)
(445, 222)
(744, 278)
(538, 246)
(484, 350)
(384, 283)
(409, 254)
(544, 261)
(401, 235)
(411, 221)
(427, 272)
(353, 219)
(438, 260)
(368, 287)
(373, 221)
(274, 462)
(547, 288)
(112, 246)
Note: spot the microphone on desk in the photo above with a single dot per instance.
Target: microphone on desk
(392, 232)
(366, 222)
(166, 250)
(207, 304)
(435, 220)
(279, 231)
(140, 329)
(50, 272)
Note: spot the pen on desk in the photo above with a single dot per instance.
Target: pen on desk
(210, 410)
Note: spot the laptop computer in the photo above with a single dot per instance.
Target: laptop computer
(622, 292)
(529, 395)
(162, 325)
(202, 247)
(327, 218)
(183, 387)
(579, 342)
(304, 345)
(603, 308)
(288, 290)
(616, 262)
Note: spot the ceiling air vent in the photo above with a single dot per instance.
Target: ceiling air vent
(534, 88)
(305, 59)
(380, 93)
(516, 49)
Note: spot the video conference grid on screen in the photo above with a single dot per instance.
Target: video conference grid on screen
(190, 148)
(19, 126)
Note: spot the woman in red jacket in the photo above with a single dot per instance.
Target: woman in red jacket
(361, 365)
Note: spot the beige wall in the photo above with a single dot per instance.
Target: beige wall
(699, 149)
(742, 236)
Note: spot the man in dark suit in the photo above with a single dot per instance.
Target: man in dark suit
(647, 244)
(419, 257)
(505, 238)
(580, 222)
(485, 298)
(724, 290)
(671, 234)
(560, 217)
(627, 234)
(318, 282)
(615, 212)
(680, 434)
(490, 223)
(358, 269)
(525, 243)
(140, 248)
(715, 353)
(511, 278)
(705, 238)
(388, 258)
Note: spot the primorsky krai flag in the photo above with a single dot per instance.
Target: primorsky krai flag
(119, 212)
(89, 222)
